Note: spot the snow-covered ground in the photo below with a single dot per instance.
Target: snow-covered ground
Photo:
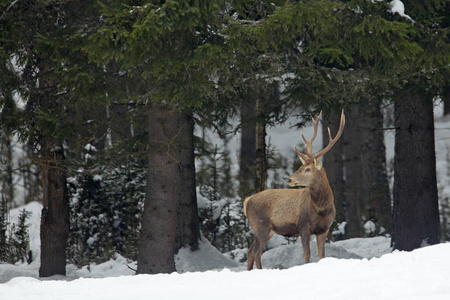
(421, 274)
(361, 268)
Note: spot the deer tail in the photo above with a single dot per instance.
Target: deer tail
(245, 205)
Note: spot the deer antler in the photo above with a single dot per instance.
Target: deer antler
(331, 140)
(308, 144)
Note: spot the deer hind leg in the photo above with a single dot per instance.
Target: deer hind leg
(260, 249)
(262, 235)
(251, 254)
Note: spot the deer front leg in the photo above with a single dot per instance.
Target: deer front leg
(305, 244)
(321, 238)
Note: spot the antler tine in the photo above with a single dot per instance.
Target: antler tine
(308, 144)
(301, 155)
(332, 141)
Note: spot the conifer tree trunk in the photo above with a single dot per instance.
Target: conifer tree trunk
(159, 220)
(416, 210)
(373, 154)
(248, 145)
(32, 176)
(6, 185)
(6, 191)
(446, 99)
(55, 210)
(117, 110)
(170, 219)
(261, 160)
(366, 194)
(55, 203)
(354, 182)
(4, 213)
(188, 228)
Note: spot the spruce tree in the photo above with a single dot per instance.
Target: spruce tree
(41, 44)
(416, 215)
(21, 238)
(172, 50)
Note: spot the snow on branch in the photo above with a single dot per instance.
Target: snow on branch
(397, 6)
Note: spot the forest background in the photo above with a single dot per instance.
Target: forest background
(110, 103)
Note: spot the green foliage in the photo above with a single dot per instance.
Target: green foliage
(20, 241)
(384, 43)
(435, 59)
(15, 240)
(106, 205)
(46, 69)
(428, 12)
(172, 46)
(291, 23)
(220, 210)
(223, 223)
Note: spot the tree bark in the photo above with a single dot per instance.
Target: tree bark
(248, 145)
(416, 211)
(366, 195)
(55, 202)
(373, 154)
(261, 160)
(170, 219)
(188, 228)
(159, 220)
(354, 182)
(6, 160)
(446, 99)
(32, 177)
(55, 211)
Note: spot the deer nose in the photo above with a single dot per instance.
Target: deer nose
(288, 180)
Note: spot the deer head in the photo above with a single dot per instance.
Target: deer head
(311, 166)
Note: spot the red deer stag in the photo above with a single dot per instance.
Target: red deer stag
(295, 212)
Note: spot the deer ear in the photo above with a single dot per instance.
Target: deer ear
(318, 164)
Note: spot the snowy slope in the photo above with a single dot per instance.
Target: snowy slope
(421, 274)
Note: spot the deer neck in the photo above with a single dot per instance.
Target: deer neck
(321, 194)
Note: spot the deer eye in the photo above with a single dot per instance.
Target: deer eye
(307, 170)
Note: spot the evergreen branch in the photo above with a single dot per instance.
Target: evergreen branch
(7, 10)
(251, 22)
